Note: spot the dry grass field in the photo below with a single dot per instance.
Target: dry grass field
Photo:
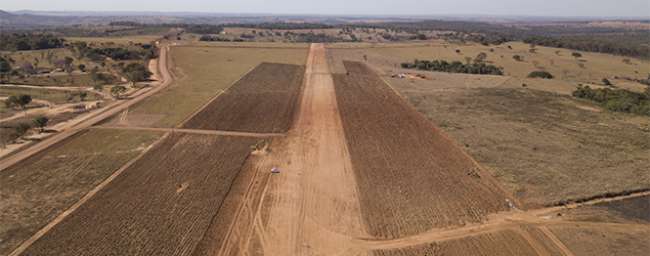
(262, 101)
(142, 39)
(545, 147)
(411, 177)
(201, 73)
(604, 240)
(36, 190)
(179, 185)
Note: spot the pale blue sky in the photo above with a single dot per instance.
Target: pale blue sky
(373, 7)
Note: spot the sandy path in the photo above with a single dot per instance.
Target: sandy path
(108, 111)
(312, 206)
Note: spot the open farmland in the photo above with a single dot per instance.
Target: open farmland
(38, 189)
(179, 184)
(200, 74)
(397, 154)
(262, 101)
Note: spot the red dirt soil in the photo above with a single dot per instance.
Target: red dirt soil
(262, 101)
(411, 176)
(161, 205)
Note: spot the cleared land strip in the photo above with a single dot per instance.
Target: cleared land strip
(193, 131)
(94, 119)
(262, 101)
(411, 176)
(161, 205)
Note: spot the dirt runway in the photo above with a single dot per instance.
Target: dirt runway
(312, 206)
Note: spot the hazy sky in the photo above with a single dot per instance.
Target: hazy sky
(374, 7)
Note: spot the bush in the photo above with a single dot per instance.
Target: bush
(616, 100)
(540, 74)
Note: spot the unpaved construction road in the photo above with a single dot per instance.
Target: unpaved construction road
(312, 207)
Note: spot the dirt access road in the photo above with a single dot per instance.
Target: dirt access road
(110, 110)
(312, 206)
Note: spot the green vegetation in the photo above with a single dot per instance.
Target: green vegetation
(617, 100)
(117, 91)
(41, 122)
(478, 67)
(24, 42)
(136, 72)
(540, 74)
(18, 101)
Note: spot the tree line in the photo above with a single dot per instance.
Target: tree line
(29, 41)
(618, 100)
(476, 67)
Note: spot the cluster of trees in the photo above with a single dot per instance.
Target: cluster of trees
(478, 67)
(280, 25)
(603, 44)
(209, 38)
(617, 99)
(136, 72)
(29, 41)
(18, 101)
(540, 74)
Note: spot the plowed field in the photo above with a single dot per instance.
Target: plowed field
(411, 177)
(262, 101)
(161, 205)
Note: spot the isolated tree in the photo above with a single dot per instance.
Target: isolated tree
(5, 68)
(540, 74)
(82, 67)
(23, 100)
(117, 91)
(607, 82)
(41, 122)
(83, 95)
(576, 54)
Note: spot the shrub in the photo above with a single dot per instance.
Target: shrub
(540, 74)
(616, 100)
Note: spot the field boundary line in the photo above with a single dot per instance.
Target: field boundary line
(248, 46)
(193, 131)
(27, 243)
(213, 98)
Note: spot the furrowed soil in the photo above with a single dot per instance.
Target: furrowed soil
(38, 189)
(262, 101)
(411, 176)
(501, 243)
(200, 73)
(160, 205)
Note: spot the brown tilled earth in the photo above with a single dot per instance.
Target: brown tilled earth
(411, 177)
(262, 101)
(161, 205)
